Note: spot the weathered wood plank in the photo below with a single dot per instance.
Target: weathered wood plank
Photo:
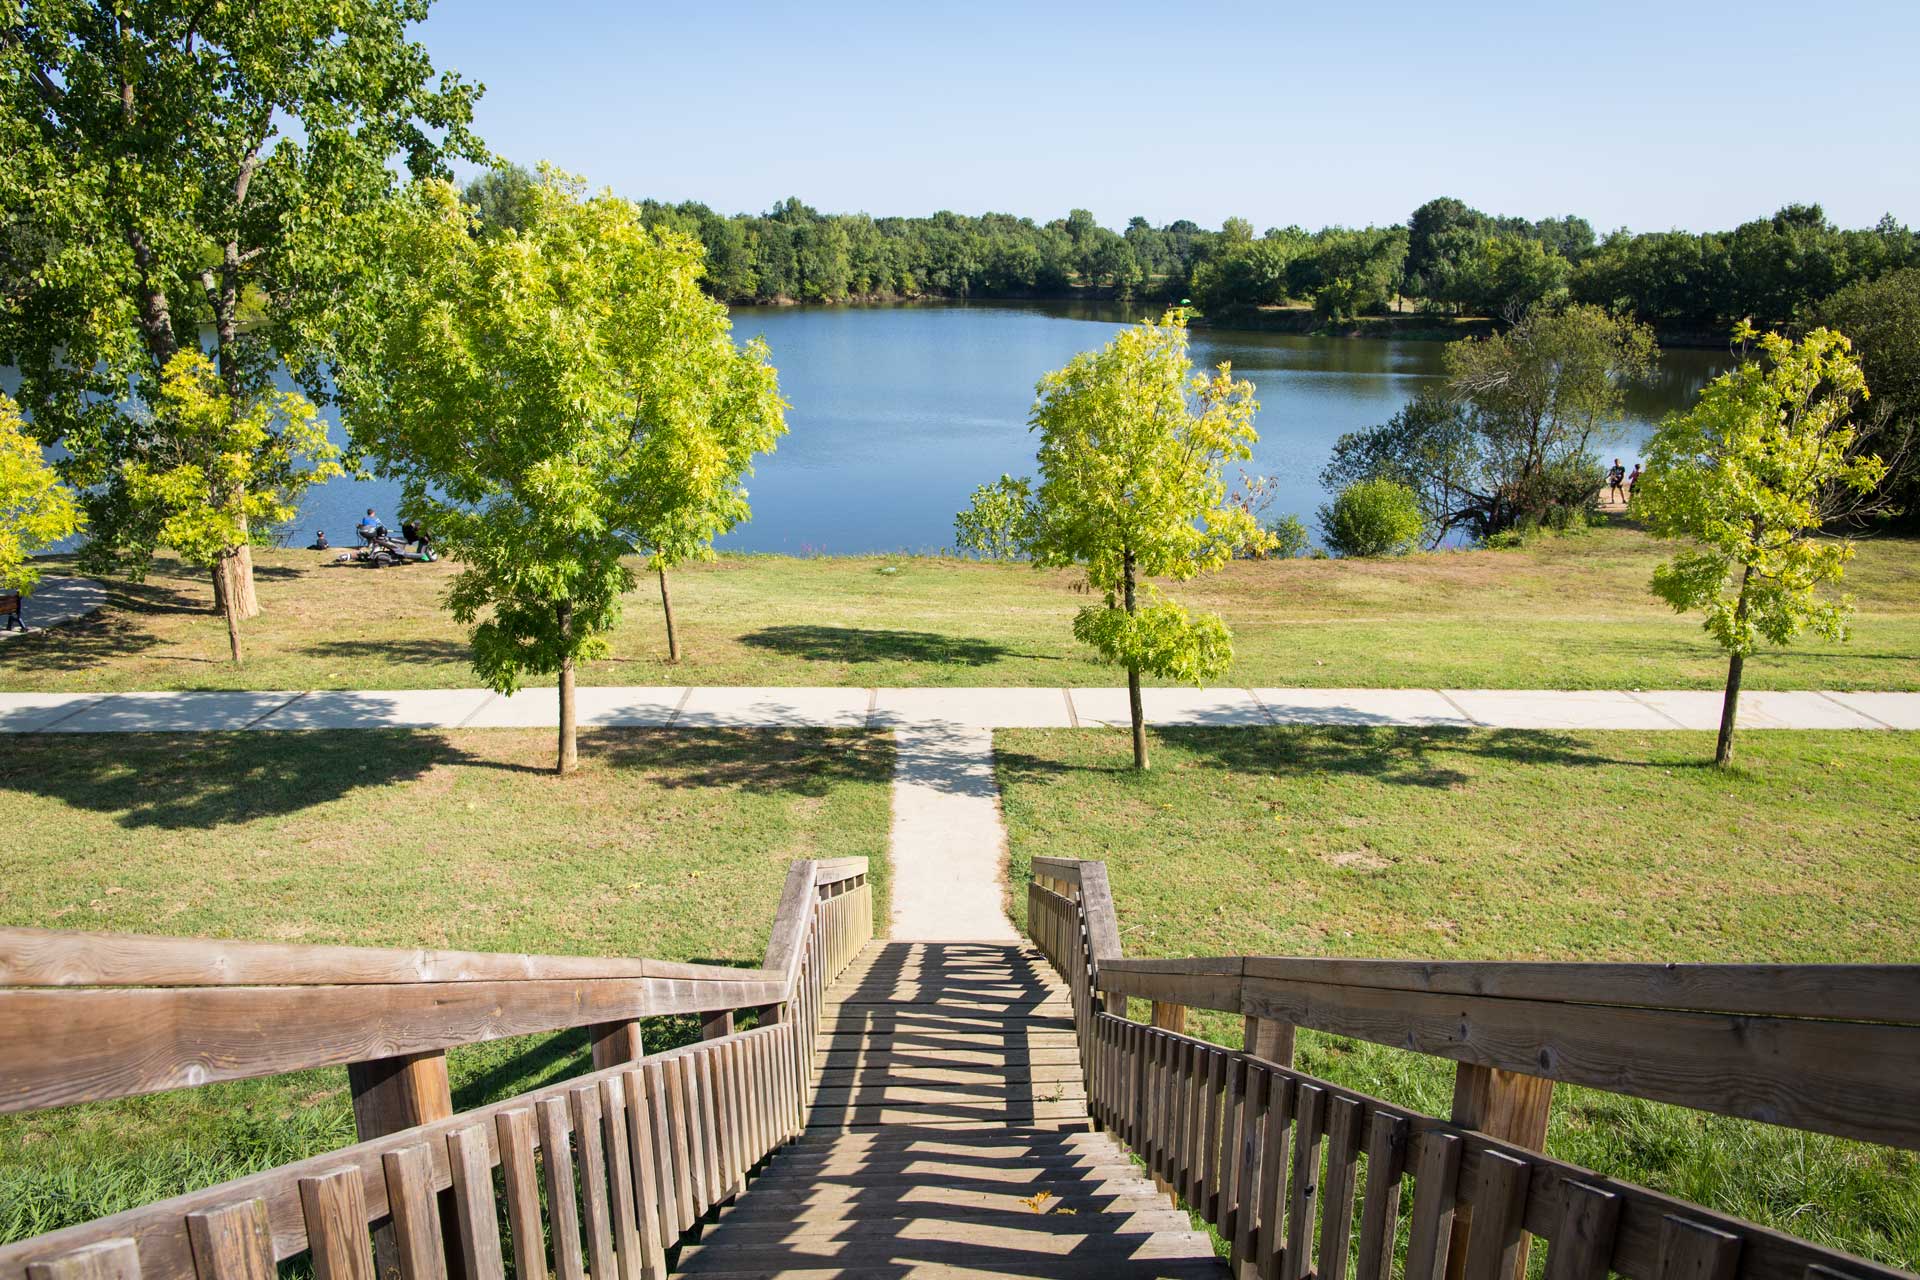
(563, 1202)
(1436, 1181)
(1845, 1078)
(1380, 1211)
(1691, 1250)
(415, 1207)
(650, 1193)
(335, 1208)
(86, 1045)
(1309, 1108)
(1337, 1189)
(103, 1260)
(1496, 1240)
(233, 1242)
(476, 1220)
(1581, 1247)
(590, 1158)
(519, 1173)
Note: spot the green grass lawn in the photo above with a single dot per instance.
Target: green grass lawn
(1563, 612)
(1484, 845)
(669, 845)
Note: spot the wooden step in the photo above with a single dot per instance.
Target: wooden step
(986, 1111)
(1009, 1040)
(981, 1245)
(787, 1209)
(922, 1072)
(733, 1229)
(991, 1141)
(946, 1175)
(1015, 1056)
(939, 1164)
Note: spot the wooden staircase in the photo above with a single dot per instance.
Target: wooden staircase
(949, 1136)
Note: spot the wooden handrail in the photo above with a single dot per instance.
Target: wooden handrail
(1828, 1048)
(632, 1155)
(89, 1017)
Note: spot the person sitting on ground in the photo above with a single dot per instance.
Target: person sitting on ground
(1616, 476)
(369, 526)
(1632, 480)
(320, 542)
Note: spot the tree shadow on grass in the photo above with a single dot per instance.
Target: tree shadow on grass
(805, 762)
(456, 652)
(873, 644)
(197, 781)
(116, 630)
(1408, 757)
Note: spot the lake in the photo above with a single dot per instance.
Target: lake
(898, 412)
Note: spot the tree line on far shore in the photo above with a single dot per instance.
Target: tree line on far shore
(1446, 259)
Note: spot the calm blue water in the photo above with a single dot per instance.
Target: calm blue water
(898, 412)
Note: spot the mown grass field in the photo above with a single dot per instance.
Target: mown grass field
(669, 845)
(1568, 612)
(1483, 845)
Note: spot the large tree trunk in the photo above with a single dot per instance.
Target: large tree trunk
(1133, 678)
(233, 580)
(228, 607)
(569, 745)
(1729, 708)
(666, 604)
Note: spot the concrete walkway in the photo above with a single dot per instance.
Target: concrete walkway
(840, 708)
(58, 600)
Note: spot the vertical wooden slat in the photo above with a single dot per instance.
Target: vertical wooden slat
(1435, 1196)
(1213, 1128)
(1271, 1245)
(103, 1260)
(1380, 1211)
(617, 1140)
(1692, 1250)
(1186, 1098)
(690, 1176)
(1581, 1247)
(667, 1163)
(1199, 1074)
(1243, 1241)
(1336, 1190)
(709, 1123)
(1499, 1199)
(648, 1189)
(1310, 1114)
(515, 1129)
(415, 1207)
(740, 1057)
(334, 1206)
(233, 1242)
(563, 1206)
(583, 1106)
(475, 1219)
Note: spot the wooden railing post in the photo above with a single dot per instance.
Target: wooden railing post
(615, 1042)
(1169, 1017)
(1506, 1105)
(1269, 1040)
(391, 1094)
(716, 1024)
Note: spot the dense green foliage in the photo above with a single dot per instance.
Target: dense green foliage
(36, 510)
(1509, 442)
(1377, 517)
(165, 166)
(1132, 443)
(1749, 476)
(1882, 318)
(551, 399)
(1447, 257)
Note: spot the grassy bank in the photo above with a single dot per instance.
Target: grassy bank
(666, 845)
(1571, 612)
(1476, 845)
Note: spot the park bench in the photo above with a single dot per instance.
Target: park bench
(894, 1105)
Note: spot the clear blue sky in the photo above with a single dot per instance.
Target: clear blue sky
(1677, 114)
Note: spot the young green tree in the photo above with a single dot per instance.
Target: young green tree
(1751, 473)
(192, 175)
(226, 471)
(1132, 445)
(550, 398)
(36, 510)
